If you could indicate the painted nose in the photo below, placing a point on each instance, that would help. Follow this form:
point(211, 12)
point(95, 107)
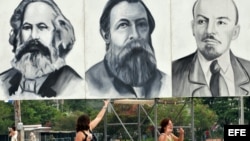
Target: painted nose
point(134, 33)
point(211, 29)
point(35, 34)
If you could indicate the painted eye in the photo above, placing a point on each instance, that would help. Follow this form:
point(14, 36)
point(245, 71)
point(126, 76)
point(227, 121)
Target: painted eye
point(221, 23)
point(201, 22)
point(42, 26)
point(26, 27)
point(142, 24)
point(123, 25)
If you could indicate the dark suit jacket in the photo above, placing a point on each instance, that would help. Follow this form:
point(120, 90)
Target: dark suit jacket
point(188, 80)
point(55, 83)
point(102, 84)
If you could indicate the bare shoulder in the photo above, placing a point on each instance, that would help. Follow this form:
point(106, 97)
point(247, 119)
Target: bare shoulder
point(161, 137)
point(79, 136)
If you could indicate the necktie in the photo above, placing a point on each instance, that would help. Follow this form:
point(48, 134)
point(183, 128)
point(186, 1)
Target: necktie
point(218, 85)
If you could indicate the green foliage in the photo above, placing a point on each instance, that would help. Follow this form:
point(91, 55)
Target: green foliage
point(176, 109)
point(66, 121)
point(6, 117)
point(247, 110)
point(38, 112)
point(204, 118)
point(227, 109)
point(72, 109)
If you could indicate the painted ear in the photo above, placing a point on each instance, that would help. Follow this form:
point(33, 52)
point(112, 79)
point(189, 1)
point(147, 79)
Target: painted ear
point(192, 26)
point(105, 36)
point(236, 32)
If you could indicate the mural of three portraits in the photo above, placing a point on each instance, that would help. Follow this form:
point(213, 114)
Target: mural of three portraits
point(92, 49)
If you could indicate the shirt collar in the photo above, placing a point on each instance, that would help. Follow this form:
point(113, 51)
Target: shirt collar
point(223, 60)
point(32, 85)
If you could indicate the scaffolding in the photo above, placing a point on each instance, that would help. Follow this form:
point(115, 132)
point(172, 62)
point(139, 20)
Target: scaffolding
point(140, 109)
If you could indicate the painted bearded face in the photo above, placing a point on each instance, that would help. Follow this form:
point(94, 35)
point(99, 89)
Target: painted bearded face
point(35, 55)
point(130, 56)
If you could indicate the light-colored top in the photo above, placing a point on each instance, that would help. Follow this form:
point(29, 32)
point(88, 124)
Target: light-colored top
point(14, 137)
point(167, 137)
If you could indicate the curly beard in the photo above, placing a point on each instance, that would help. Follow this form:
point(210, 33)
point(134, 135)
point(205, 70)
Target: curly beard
point(34, 60)
point(134, 65)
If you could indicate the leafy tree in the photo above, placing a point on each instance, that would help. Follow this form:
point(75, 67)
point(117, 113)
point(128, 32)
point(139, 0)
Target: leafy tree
point(247, 110)
point(38, 112)
point(68, 120)
point(204, 118)
point(177, 109)
point(82, 105)
point(227, 110)
point(7, 117)
point(72, 110)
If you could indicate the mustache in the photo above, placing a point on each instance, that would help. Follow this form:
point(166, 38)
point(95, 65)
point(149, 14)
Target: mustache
point(135, 47)
point(210, 37)
point(33, 46)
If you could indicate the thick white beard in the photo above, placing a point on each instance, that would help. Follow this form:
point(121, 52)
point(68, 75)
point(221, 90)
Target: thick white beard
point(34, 66)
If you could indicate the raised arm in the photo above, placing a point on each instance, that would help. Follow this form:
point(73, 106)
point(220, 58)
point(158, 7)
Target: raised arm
point(181, 135)
point(12, 132)
point(99, 116)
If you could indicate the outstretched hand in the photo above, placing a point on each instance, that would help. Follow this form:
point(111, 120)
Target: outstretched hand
point(106, 102)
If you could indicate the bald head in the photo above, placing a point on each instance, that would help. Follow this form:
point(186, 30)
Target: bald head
point(214, 26)
point(217, 6)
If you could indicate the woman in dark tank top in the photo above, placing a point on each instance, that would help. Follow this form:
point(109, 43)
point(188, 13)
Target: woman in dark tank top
point(85, 126)
point(89, 136)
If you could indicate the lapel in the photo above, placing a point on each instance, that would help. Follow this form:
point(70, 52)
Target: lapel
point(199, 87)
point(196, 78)
point(14, 83)
point(241, 77)
point(46, 89)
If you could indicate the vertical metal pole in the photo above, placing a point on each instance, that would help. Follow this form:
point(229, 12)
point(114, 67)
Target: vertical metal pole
point(139, 122)
point(192, 120)
point(105, 127)
point(156, 124)
point(241, 110)
point(57, 105)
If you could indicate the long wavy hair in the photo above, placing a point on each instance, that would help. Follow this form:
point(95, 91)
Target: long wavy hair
point(64, 36)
